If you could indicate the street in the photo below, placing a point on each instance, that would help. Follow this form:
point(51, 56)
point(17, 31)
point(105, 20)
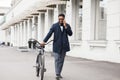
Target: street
point(16, 65)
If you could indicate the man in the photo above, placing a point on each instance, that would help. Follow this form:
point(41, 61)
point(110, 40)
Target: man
point(61, 31)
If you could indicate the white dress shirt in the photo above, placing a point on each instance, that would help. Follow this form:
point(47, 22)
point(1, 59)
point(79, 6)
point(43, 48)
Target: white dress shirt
point(61, 27)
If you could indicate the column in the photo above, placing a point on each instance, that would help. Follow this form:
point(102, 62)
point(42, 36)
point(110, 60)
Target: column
point(41, 21)
point(8, 33)
point(48, 20)
point(33, 21)
point(18, 35)
point(6, 36)
point(75, 18)
point(46, 29)
point(34, 27)
point(21, 33)
point(97, 18)
point(69, 12)
point(12, 36)
point(29, 29)
point(25, 33)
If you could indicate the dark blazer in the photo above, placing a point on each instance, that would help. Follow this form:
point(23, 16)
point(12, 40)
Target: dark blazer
point(60, 41)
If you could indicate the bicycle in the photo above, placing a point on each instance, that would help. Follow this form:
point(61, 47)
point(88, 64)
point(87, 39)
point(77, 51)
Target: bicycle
point(40, 60)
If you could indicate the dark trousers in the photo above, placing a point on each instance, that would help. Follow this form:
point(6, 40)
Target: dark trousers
point(59, 61)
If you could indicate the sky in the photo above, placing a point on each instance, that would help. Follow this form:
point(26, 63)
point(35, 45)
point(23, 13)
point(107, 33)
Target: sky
point(5, 3)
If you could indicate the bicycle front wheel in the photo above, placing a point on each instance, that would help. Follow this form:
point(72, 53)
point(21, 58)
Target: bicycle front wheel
point(42, 67)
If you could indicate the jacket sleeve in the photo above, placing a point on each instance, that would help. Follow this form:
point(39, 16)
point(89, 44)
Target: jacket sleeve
point(49, 34)
point(68, 30)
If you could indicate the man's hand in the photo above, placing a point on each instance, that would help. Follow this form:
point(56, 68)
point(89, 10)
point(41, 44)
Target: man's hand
point(64, 23)
point(42, 44)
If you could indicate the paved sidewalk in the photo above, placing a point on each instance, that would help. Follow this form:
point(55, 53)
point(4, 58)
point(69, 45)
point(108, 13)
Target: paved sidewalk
point(16, 65)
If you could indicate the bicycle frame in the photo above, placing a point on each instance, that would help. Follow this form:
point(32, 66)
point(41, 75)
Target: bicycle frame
point(40, 61)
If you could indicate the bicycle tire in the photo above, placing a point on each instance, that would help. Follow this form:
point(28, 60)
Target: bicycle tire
point(38, 66)
point(37, 71)
point(42, 67)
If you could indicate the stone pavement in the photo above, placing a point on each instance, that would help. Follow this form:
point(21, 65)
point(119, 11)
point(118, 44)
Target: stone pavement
point(16, 65)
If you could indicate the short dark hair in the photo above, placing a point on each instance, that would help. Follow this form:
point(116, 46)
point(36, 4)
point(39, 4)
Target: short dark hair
point(61, 15)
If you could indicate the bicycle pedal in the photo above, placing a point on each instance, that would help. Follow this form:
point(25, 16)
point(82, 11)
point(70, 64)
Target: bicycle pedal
point(34, 66)
point(45, 70)
point(37, 75)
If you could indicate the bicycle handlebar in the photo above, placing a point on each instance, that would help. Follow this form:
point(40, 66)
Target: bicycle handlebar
point(40, 43)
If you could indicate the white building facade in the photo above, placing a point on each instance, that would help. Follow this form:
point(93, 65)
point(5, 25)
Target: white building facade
point(95, 25)
point(3, 11)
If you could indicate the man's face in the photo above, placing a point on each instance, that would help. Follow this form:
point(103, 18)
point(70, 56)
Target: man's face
point(61, 19)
